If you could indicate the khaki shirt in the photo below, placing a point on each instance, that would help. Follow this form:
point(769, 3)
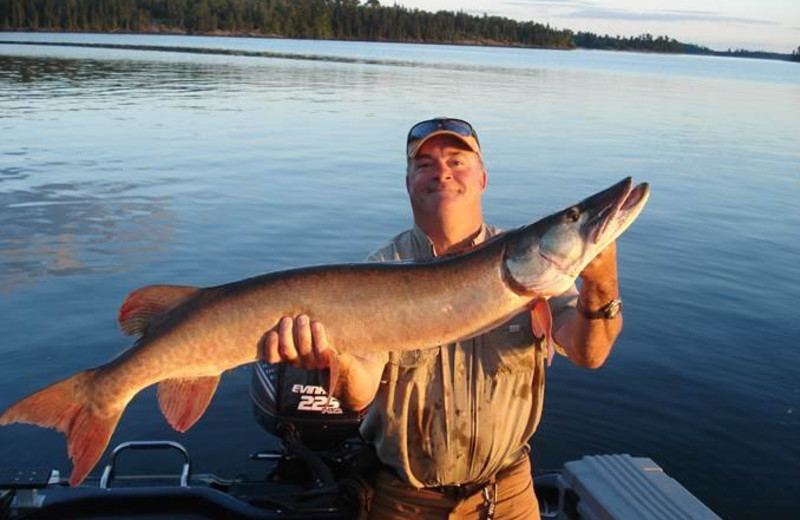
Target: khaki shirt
point(459, 413)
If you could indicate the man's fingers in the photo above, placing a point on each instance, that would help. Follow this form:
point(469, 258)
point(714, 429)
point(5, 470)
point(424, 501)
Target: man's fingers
point(603, 265)
point(322, 350)
point(299, 342)
point(302, 338)
point(606, 254)
point(271, 353)
point(610, 250)
point(286, 346)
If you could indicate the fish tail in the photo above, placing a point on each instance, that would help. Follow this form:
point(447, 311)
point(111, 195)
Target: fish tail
point(67, 406)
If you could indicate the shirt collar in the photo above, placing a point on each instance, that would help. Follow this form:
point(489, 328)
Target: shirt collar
point(424, 245)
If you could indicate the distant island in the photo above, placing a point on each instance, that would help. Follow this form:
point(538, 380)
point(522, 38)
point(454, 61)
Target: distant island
point(326, 19)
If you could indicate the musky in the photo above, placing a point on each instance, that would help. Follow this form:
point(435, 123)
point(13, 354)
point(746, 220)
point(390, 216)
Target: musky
point(770, 25)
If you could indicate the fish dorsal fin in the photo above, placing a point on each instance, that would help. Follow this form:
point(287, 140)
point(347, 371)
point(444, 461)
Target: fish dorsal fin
point(142, 305)
point(183, 401)
point(542, 323)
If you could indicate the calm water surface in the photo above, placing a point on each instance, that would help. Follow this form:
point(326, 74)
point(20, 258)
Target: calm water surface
point(122, 168)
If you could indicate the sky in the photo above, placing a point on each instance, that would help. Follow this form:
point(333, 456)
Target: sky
point(768, 25)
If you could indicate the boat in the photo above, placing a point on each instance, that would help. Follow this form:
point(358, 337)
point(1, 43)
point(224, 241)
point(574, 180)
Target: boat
point(311, 475)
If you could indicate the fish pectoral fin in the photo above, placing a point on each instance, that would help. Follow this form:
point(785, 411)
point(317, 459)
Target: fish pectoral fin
point(142, 305)
point(184, 400)
point(542, 323)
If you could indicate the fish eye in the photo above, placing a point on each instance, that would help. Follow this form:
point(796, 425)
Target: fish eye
point(573, 214)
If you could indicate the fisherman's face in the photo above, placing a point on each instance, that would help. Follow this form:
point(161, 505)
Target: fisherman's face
point(445, 178)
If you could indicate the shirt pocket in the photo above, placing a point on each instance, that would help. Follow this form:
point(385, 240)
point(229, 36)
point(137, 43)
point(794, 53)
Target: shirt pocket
point(509, 348)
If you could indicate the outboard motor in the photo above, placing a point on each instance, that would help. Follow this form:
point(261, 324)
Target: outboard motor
point(287, 397)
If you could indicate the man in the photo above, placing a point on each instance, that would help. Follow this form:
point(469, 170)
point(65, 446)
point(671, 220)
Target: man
point(451, 423)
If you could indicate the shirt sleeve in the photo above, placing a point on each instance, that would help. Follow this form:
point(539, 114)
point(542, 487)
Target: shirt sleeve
point(375, 256)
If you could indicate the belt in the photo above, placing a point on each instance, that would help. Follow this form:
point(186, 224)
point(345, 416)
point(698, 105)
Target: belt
point(489, 487)
point(467, 490)
point(463, 491)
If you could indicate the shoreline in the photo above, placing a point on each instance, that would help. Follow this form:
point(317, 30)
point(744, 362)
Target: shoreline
point(258, 35)
point(173, 31)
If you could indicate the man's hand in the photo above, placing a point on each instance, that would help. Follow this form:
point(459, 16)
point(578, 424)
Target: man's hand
point(603, 266)
point(588, 342)
point(303, 344)
point(300, 343)
point(600, 279)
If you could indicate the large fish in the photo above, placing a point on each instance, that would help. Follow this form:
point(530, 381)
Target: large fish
point(189, 335)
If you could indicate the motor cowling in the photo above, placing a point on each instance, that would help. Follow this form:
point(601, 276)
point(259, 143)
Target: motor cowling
point(283, 395)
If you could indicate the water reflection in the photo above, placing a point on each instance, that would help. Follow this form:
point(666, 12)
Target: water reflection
point(79, 120)
point(298, 56)
point(80, 228)
point(37, 85)
point(12, 173)
point(31, 79)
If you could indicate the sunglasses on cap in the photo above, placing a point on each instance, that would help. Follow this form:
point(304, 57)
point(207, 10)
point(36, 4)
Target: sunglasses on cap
point(425, 128)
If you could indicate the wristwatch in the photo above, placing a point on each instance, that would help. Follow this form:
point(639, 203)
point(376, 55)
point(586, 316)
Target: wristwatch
point(608, 311)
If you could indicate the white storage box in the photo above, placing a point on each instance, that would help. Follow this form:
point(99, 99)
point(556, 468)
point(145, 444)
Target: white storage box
point(621, 487)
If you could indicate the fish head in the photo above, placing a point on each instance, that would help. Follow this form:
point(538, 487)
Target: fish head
point(545, 258)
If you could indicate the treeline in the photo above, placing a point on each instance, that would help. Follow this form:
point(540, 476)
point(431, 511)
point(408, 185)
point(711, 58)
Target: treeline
point(645, 42)
point(665, 44)
point(744, 53)
point(336, 19)
point(324, 19)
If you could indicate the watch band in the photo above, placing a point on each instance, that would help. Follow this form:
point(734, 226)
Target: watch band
point(608, 311)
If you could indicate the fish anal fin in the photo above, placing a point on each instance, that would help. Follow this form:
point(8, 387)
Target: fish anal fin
point(183, 401)
point(67, 407)
point(542, 323)
point(143, 305)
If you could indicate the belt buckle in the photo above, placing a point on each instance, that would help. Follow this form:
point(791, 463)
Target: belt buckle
point(460, 492)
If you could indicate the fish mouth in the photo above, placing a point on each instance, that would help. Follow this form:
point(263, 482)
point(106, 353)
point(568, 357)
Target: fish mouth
point(617, 208)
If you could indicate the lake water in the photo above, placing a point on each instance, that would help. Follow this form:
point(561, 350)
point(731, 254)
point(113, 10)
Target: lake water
point(123, 168)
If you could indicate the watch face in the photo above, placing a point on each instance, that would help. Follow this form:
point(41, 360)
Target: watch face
point(614, 308)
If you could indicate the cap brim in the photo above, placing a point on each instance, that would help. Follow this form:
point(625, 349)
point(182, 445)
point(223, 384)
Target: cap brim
point(470, 142)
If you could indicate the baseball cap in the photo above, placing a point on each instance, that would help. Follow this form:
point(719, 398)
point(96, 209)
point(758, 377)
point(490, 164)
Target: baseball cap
point(457, 128)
